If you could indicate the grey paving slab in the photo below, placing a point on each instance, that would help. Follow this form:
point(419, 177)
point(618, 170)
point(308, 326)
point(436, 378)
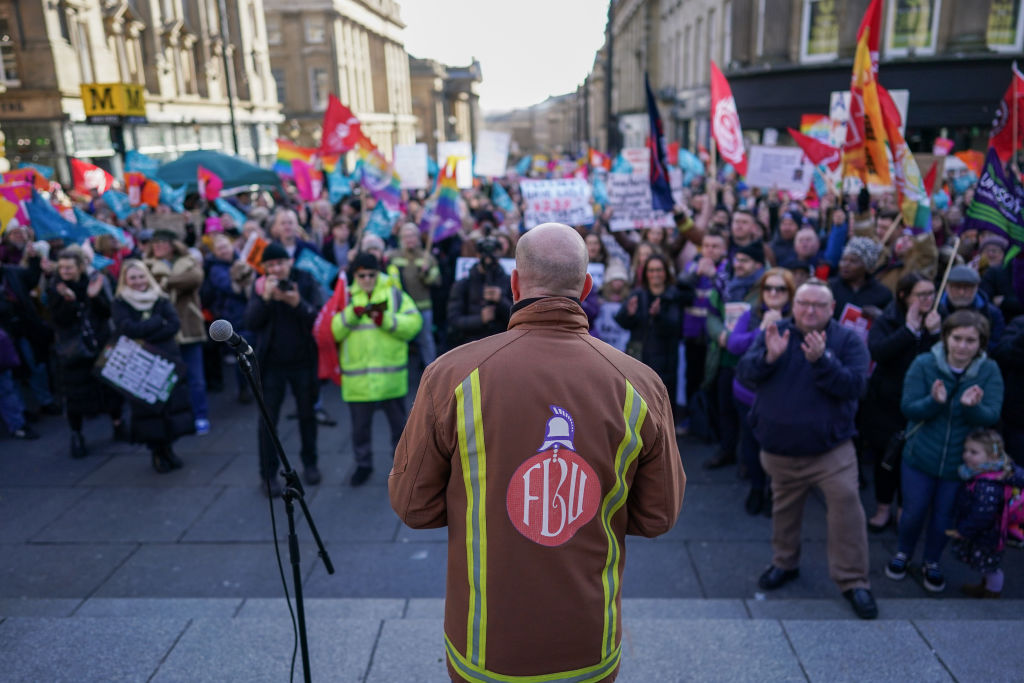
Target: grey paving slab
point(129, 515)
point(706, 650)
point(325, 608)
point(383, 570)
point(800, 608)
point(57, 571)
point(43, 465)
point(107, 649)
point(25, 511)
point(256, 650)
point(410, 650)
point(668, 608)
point(241, 513)
point(344, 514)
point(871, 651)
point(243, 469)
point(658, 570)
point(954, 608)
point(178, 608)
point(134, 469)
point(425, 608)
point(202, 570)
point(38, 607)
point(407, 535)
point(975, 651)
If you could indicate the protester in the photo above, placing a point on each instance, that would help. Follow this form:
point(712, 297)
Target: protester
point(225, 293)
point(142, 311)
point(516, 557)
point(1009, 354)
point(286, 230)
point(417, 271)
point(80, 309)
point(962, 293)
point(614, 291)
point(783, 246)
point(479, 305)
point(808, 375)
point(374, 331)
point(281, 312)
point(854, 285)
point(947, 393)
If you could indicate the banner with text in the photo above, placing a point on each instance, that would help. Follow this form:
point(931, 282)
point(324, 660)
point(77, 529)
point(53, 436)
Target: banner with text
point(565, 200)
point(629, 196)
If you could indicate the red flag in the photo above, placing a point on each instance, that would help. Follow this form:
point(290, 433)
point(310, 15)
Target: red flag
point(341, 129)
point(210, 184)
point(929, 178)
point(87, 177)
point(817, 151)
point(725, 122)
point(673, 153)
point(1002, 126)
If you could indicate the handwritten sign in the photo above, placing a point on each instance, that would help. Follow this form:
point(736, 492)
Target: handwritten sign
point(784, 168)
point(629, 195)
point(492, 153)
point(639, 159)
point(138, 371)
point(411, 165)
point(557, 201)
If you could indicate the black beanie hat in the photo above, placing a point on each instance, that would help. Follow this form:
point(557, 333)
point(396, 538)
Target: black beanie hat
point(365, 260)
point(754, 250)
point(273, 252)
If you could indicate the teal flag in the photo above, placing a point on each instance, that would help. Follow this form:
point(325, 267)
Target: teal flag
point(523, 167)
point(382, 221)
point(501, 199)
point(339, 185)
point(48, 224)
point(137, 162)
point(226, 207)
point(171, 197)
point(322, 270)
point(93, 227)
point(118, 203)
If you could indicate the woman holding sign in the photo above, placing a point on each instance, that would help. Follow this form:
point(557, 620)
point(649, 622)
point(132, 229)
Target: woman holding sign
point(142, 312)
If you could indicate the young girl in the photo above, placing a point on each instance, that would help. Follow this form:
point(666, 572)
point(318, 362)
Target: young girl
point(979, 536)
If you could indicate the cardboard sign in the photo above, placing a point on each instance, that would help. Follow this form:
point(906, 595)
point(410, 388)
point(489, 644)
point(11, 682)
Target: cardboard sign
point(784, 168)
point(138, 370)
point(411, 165)
point(175, 222)
point(565, 200)
point(463, 155)
point(629, 196)
point(492, 153)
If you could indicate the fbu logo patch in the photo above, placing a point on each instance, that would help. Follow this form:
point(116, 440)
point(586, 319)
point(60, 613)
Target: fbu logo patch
point(555, 492)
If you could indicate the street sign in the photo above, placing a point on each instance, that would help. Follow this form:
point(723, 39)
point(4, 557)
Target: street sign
point(114, 102)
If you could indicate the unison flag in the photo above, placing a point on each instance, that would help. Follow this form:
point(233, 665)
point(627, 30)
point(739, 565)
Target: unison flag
point(1011, 106)
point(171, 197)
point(998, 204)
point(137, 162)
point(661, 190)
point(339, 185)
point(725, 122)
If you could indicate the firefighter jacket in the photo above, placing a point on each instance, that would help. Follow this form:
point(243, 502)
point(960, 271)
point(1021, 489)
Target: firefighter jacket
point(374, 355)
point(540, 448)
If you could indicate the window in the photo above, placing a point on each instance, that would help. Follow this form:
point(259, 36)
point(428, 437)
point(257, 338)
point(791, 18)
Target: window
point(8, 60)
point(278, 76)
point(1004, 26)
point(819, 32)
point(913, 25)
point(314, 30)
point(273, 29)
point(84, 50)
point(318, 89)
point(760, 28)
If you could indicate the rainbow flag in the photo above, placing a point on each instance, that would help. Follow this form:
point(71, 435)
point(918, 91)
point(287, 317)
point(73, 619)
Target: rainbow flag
point(441, 214)
point(817, 126)
point(914, 201)
point(379, 178)
point(288, 151)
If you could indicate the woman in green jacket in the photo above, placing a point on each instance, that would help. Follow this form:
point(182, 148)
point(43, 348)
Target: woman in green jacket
point(948, 392)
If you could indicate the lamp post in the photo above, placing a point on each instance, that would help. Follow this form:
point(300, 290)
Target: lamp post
point(229, 81)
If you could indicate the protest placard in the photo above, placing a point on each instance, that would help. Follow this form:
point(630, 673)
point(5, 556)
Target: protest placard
point(463, 155)
point(138, 370)
point(629, 196)
point(783, 168)
point(565, 200)
point(492, 153)
point(411, 165)
point(175, 222)
point(639, 158)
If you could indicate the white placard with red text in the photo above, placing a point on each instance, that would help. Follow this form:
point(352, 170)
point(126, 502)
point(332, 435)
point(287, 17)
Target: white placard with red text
point(629, 196)
point(564, 200)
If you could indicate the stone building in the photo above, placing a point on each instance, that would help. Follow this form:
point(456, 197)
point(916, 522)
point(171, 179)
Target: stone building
point(174, 48)
point(352, 48)
point(445, 101)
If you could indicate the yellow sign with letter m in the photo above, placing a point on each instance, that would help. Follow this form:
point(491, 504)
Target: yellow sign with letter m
point(105, 100)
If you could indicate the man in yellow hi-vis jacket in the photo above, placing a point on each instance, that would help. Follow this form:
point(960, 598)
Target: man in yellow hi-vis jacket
point(540, 448)
point(374, 332)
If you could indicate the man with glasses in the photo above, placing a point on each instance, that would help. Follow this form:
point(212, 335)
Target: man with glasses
point(809, 374)
point(962, 292)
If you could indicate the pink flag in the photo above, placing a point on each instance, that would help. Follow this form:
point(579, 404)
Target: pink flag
point(210, 184)
point(308, 181)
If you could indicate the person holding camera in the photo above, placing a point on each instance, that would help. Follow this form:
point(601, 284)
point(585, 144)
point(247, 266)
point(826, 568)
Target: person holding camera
point(480, 305)
point(281, 311)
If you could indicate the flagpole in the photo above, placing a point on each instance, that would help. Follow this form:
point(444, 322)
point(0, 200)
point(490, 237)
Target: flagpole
point(945, 276)
point(892, 229)
point(714, 160)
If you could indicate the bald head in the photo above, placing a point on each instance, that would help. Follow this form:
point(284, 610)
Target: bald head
point(551, 260)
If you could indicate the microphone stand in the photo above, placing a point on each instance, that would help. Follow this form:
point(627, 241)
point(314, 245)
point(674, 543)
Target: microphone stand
point(293, 491)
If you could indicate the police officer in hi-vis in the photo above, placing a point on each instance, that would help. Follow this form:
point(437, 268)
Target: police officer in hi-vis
point(540, 448)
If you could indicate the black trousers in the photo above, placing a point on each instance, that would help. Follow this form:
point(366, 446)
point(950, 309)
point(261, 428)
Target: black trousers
point(362, 426)
point(305, 388)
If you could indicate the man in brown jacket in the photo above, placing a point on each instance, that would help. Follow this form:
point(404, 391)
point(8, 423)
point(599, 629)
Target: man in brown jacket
point(540, 448)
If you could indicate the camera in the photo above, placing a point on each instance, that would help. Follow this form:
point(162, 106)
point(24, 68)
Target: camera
point(488, 246)
point(285, 285)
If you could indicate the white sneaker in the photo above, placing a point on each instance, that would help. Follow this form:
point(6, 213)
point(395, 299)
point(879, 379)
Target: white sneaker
point(202, 427)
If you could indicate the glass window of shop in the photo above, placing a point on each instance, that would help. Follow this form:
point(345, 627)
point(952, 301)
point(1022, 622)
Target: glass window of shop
point(33, 142)
point(1005, 26)
point(913, 25)
point(318, 89)
point(91, 140)
point(819, 31)
point(8, 58)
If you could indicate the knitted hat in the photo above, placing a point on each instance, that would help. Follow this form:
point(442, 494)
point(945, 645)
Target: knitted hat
point(864, 248)
point(371, 241)
point(992, 238)
point(755, 250)
point(964, 275)
point(274, 252)
point(615, 271)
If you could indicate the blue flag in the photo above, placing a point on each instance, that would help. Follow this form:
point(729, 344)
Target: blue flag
point(322, 270)
point(94, 227)
point(432, 169)
point(501, 199)
point(47, 223)
point(45, 171)
point(137, 162)
point(523, 167)
point(99, 261)
point(171, 197)
point(224, 206)
point(661, 188)
point(691, 165)
point(118, 203)
point(620, 165)
point(600, 190)
point(339, 185)
point(382, 221)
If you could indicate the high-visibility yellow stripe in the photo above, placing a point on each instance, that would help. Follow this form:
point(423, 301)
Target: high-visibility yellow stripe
point(477, 674)
point(634, 411)
point(481, 512)
point(472, 455)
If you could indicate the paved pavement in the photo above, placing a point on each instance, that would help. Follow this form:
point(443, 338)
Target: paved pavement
point(109, 571)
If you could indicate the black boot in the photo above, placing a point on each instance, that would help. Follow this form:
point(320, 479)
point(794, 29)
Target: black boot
point(120, 431)
point(78, 445)
point(160, 463)
point(172, 458)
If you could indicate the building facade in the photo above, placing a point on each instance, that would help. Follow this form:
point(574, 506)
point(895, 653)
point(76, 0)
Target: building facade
point(351, 48)
point(174, 48)
point(445, 101)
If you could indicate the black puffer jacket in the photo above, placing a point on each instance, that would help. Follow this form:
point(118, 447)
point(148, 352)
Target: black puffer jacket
point(658, 335)
point(86, 318)
point(467, 300)
point(284, 334)
point(1010, 357)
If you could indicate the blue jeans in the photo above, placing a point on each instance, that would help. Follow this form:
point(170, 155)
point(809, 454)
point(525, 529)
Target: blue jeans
point(11, 407)
point(38, 380)
point(920, 492)
point(193, 357)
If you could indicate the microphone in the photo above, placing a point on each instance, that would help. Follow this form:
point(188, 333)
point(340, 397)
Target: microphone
point(222, 331)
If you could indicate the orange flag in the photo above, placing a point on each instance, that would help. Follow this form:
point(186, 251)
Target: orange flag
point(864, 153)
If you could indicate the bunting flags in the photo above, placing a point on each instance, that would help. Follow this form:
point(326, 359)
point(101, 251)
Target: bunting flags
point(864, 151)
point(380, 179)
point(341, 130)
point(818, 152)
point(661, 190)
point(725, 122)
point(210, 184)
point(998, 203)
point(915, 203)
point(1011, 106)
point(308, 181)
point(288, 152)
point(87, 177)
point(441, 214)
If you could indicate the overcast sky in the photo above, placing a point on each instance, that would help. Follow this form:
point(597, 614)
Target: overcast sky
point(528, 49)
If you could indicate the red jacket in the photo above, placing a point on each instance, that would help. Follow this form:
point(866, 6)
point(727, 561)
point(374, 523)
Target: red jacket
point(540, 448)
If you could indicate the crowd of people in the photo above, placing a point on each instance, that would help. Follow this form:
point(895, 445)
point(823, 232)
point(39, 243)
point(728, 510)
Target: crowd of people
point(783, 329)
